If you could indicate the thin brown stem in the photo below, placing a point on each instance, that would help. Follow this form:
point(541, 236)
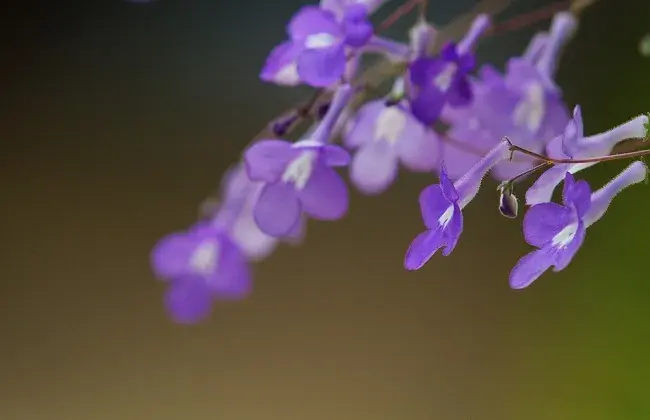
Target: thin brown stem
point(530, 18)
point(547, 12)
point(422, 10)
point(530, 171)
point(554, 161)
point(403, 10)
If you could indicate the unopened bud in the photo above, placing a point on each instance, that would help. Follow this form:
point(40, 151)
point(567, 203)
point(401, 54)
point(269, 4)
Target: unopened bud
point(280, 127)
point(508, 203)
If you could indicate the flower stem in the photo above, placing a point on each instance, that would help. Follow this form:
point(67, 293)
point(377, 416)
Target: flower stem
point(544, 13)
point(553, 161)
point(404, 9)
point(530, 18)
point(524, 174)
point(422, 11)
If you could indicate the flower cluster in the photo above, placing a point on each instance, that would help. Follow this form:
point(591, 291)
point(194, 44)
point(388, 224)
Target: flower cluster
point(443, 115)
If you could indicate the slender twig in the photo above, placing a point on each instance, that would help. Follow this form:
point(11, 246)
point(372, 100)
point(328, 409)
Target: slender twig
point(530, 18)
point(403, 10)
point(422, 11)
point(554, 161)
point(530, 171)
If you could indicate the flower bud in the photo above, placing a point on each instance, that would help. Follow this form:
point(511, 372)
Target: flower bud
point(508, 203)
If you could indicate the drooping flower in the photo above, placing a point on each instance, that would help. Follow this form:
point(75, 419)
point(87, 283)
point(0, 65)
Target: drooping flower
point(384, 135)
point(299, 177)
point(443, 80)
point(558, 231)
point(202, 264)
point(443, 218)
point(574, 145)
point(441, 206)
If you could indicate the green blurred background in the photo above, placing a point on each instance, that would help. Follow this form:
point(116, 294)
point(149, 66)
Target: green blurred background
point(117, 119)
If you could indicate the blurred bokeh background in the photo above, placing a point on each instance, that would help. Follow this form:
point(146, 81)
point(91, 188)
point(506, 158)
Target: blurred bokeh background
point(117, 119)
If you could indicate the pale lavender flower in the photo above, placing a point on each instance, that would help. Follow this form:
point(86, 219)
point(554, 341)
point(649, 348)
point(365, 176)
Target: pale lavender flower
point(384, 135)
point(441, 206)
point(240, 195)
point(202, 264)
point(526, 105)
point(574, 145)
point(466, 141)
point(558, 231)
point(299, 177)
point(319, 41)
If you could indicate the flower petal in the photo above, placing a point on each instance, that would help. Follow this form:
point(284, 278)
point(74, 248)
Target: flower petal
point(188, 300)
point(564, 255)
point(423, 247)
point(325, 196)
point(277, 209)
point(311, 20)
point(433, 204)
point(530, 267)
point(255, 244)
point(542, 189)
point(374, 167)
point(266, 160)
point(453, 231)
point(420, 69)
point(447, 186)
point(361, 128)
point(543, 221)
point(335, 155)
point(577, 194)
point(428, 104)
point(418, 147)
point(322, 67)
point(233, 280)
point(170, 256)
point(460, 94)
point(280, 66)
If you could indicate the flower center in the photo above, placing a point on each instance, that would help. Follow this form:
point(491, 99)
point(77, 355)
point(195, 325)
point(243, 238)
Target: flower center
point(204, 258)
point(320, 40)
point(443, 80)
point(444, 219)
point(390, 124)
point(565, 236)
point(299, 170)
point(530, 111)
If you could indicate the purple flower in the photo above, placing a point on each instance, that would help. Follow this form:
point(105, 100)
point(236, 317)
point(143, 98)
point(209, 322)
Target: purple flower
point(466, 141)
point(239, 196)
point(383, 136)
point(441, 207)
point(558, 231)
point(525, 104)
point(437, 82)
point(299, 177)
point(573, 145)
point(201, 264)
point(316, 51)
point(440, 81)
point(443, 219)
